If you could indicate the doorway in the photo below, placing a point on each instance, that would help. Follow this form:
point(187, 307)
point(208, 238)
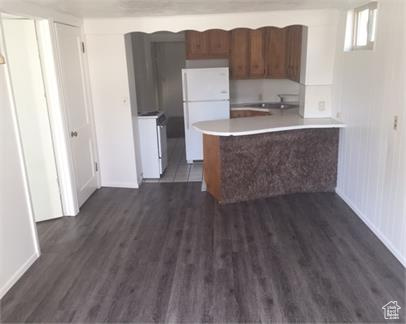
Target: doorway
point(169, 59)
point(31, 107)
point(158, 60)
point(71, 52)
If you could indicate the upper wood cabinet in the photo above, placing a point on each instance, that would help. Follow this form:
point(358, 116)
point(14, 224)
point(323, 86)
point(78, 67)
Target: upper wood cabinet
point(268, 52)
point(207, 45)
point(294, 52)
point(219, 43)
point(197, 44)
point(239, 45)
point(257, 53)
point(276, 53)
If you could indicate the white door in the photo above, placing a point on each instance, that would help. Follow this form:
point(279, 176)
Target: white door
point(201, 111)
point(32, 114)
point(77, 110)
point(205, 84)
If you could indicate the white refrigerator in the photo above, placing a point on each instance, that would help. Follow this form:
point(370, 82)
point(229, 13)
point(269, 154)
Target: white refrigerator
point(206, 96)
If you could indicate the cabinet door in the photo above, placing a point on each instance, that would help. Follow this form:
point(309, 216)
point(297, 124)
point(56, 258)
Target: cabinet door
point(276, 58)
point(256, 53)
point(289, 52)
point(239, 53)
point(294, 52)
point(197, 46)
point(297, 53)
point(218, 43)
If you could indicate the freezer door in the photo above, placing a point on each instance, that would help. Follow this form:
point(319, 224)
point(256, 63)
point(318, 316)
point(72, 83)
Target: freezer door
point(205, 84)
point(201, 111)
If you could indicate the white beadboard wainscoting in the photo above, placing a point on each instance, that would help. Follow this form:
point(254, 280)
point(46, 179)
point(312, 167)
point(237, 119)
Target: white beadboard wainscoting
point(368, 93)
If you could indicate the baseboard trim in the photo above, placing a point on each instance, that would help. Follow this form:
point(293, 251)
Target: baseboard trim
point(18, 274)
point(373, 228)
point(131, 185)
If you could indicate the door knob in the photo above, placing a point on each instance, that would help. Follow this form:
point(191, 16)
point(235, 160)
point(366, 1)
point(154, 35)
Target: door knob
point(73, 134)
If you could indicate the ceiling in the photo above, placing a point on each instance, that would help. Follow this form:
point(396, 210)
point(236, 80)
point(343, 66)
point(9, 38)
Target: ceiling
point(134, 8)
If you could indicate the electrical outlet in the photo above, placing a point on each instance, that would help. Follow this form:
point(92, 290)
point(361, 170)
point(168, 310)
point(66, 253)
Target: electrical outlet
point(322, 105)
point(395, 122)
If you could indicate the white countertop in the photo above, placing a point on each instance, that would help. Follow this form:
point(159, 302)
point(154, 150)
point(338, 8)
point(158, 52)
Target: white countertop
point(263, 124)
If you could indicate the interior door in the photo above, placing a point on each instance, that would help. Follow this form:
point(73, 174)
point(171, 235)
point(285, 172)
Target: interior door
point(201, 111)
point(77, 110)
point(33, 120)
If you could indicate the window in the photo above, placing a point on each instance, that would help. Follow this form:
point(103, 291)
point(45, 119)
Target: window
point(363, 26)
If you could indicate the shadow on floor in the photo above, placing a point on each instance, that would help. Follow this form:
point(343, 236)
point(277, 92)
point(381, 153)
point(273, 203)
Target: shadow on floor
point(175, 127)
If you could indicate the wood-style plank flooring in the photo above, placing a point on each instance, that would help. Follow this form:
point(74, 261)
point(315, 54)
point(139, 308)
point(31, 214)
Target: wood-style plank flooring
point(169, 253)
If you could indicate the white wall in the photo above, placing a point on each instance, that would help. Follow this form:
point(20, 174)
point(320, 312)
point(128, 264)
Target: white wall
point(243, 91)
point(18, 241)
point(369, 90)
point(112, 109)
point(133, 101)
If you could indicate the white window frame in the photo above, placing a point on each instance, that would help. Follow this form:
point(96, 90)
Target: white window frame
point(370, 43)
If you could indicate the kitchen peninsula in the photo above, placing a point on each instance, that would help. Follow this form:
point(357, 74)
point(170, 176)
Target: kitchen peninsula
point(258, 157)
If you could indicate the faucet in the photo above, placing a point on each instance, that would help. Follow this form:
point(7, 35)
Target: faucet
point(281, 97)
point(282, 102)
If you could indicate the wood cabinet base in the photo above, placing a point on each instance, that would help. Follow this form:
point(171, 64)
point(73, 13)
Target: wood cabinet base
point(241, 168)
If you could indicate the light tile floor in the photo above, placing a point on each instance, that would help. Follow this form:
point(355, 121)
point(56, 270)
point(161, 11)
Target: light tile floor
point(178, 170)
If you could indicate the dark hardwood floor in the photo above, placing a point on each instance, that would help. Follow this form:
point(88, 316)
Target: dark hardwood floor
point(169, 253)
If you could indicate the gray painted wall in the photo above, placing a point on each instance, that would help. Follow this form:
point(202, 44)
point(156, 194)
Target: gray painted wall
point(170, 59)
point(164, 48)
